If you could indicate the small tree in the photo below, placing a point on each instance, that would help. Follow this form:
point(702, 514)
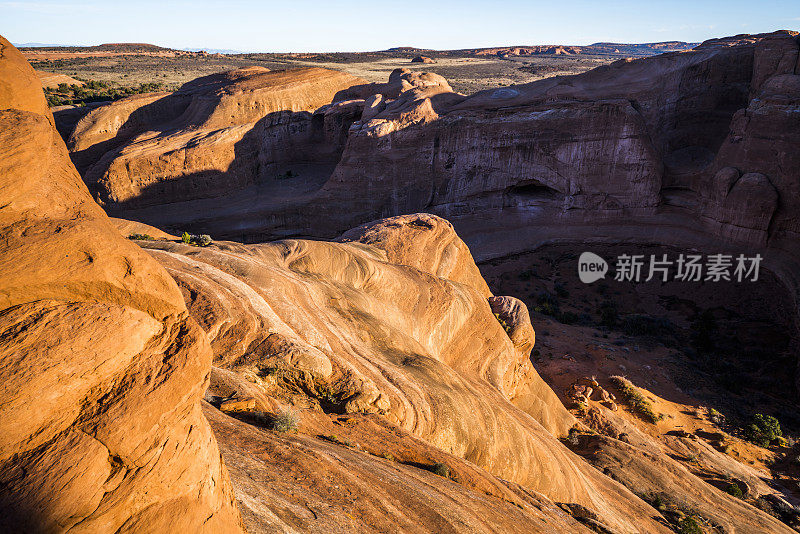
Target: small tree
point(763, 429)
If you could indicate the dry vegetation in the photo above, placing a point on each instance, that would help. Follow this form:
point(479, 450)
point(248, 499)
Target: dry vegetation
point(466, 72)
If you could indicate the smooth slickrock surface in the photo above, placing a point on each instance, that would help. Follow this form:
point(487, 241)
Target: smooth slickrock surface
point(102, 368)
point(359, 330)
point(205, 139)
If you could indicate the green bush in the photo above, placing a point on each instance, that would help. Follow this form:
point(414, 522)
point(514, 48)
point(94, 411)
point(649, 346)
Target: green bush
point(201, 240)
point(638, 403)
point(734, 489)
point(94, 91)
point(689, 525)
point(763, 429)
point(140, 237)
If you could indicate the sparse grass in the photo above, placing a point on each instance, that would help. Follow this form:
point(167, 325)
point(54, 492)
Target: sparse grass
point(140, 237)
point(333, 438)
point(441, 469)
point(638, 403)
point(689, 525)
point(285, 420)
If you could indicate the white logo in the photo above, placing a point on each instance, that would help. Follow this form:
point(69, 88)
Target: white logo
point(591, 267)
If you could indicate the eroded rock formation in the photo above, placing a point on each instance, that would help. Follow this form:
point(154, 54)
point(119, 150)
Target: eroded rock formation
point(648, 143)
point(216, 134)
point(394, 321)
point(102, 367)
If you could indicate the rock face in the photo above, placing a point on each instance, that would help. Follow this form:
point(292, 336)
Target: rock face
point(648, 142)
point(102, 367)
point(368, 326)
point(214, 135)
point(422, 59)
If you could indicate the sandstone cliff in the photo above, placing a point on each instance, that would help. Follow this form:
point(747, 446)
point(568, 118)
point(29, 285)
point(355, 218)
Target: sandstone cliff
point(649, 143)
point(205, 139)
point(102, 367)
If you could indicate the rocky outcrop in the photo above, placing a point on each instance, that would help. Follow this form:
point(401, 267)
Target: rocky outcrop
point(216, 134)
point(422, 59)
point(638, 142)
point(102, 367)
point(369, 328)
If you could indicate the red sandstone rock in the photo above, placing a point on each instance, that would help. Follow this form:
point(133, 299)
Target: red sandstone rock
point(102, 368)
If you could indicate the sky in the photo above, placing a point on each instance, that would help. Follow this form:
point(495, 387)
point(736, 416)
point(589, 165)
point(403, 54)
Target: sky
point(322, 26)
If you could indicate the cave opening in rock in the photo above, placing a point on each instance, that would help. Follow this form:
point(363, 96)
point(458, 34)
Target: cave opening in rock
point(530, 192)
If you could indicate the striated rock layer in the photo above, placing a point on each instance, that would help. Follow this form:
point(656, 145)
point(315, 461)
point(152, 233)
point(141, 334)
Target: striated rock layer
point(364, 327)
point(701, 141)
point(102, 367)
point(216, 134)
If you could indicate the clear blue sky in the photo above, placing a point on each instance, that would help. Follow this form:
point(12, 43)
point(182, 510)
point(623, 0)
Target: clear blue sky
point(314, 25)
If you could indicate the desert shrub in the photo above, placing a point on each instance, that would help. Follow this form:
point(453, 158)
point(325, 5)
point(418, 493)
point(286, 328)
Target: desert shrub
point(763, 429)
point(560, 290)
point(94, 91)
point(284, 420)
point(734, 489)
point(608, 314)
point(198, 240)
point(637, 402)
point(715, 416)
point(203, 240)
point(689, 525)
point(441, 469)
point(526, 275)
point(574, 436)
point(140, 237)
point(642, 325)
point(505, 325)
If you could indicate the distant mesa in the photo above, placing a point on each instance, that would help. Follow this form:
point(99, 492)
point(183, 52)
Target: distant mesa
point(635, 50)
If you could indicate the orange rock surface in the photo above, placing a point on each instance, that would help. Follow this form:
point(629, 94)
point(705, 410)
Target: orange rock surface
point(102, 367)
